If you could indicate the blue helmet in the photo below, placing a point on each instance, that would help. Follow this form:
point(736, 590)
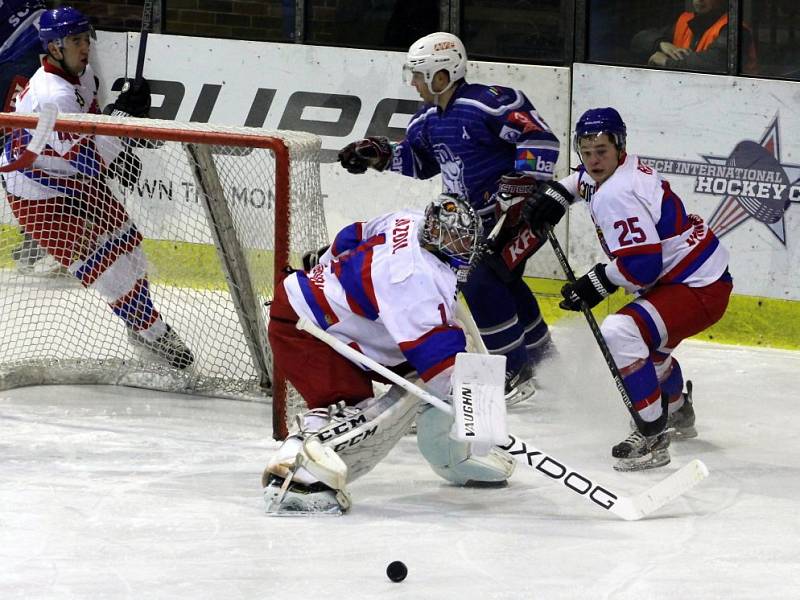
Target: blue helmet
point(56, 24)
point(601, 120)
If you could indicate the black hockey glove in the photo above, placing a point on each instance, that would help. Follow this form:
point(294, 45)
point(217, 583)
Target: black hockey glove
point(311, 259)
point(547, 206)
point(513, 192)
point(591, 289)
point(371, 152)
point(126, 169)
point(134, 99)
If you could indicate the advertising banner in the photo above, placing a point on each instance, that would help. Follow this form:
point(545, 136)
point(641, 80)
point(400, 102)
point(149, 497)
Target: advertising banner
point(728, 148)
point(340, 94)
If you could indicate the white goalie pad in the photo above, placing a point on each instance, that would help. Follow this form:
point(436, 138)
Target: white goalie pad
point(365, 437)
point(479, 401)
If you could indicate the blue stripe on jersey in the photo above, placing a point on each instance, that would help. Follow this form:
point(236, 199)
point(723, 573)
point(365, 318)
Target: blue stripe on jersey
point(347, 239)
point(646, 320)
point(308, 296)
point(673, 220)
point(137, 309)
point(355, 276)
point(434, 347)
point(641, 269)
point(87, 161)
point(115, 245)
point(17, 141)
point(696, 261)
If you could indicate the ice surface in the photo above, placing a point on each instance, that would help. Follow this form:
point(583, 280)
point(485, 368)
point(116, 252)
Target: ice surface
point(121, 493)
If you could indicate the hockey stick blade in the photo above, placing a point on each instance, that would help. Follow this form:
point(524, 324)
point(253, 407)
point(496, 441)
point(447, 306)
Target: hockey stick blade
point(628, 508)
point(44, 127)
point(665, 491)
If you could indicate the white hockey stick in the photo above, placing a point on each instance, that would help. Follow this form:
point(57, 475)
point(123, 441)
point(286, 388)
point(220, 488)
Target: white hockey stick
point(44, 127)
point(630, 508)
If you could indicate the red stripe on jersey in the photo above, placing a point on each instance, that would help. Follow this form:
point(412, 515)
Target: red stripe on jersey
point(433, 371)
point(645, 402)
point(689, 258)
point(110, 258)
point(640, 324)
point(406, 346)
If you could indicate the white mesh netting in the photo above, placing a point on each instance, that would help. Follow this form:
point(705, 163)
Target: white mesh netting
point(102, 233)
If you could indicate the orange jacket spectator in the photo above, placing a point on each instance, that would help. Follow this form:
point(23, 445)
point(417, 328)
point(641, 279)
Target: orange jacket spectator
point(697, 41)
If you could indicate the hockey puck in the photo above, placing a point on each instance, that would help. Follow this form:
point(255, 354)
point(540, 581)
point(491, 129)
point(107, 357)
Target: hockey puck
point(396, 571)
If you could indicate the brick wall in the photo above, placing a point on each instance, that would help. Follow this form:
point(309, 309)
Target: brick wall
point(262, 20)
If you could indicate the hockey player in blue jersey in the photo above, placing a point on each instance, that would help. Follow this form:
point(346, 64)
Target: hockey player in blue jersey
point(491, 146)
point(19, 59)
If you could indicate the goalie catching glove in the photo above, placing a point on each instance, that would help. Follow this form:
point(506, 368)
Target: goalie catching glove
point(547, 205)
point(591, 289)
point(371, 152)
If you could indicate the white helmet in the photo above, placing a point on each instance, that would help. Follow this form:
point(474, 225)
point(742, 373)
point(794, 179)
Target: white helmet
point(436, 52)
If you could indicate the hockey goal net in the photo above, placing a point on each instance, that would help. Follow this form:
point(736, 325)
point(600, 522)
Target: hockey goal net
point(221, 211)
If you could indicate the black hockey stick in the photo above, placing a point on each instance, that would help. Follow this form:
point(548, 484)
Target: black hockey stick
point(630, 508)
point(595, 328)
point(147, 27)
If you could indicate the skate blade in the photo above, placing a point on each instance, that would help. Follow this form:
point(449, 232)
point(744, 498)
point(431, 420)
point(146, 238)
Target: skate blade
point(651, 461)
point(288, 508)
point(520, 396)
point(685, 433)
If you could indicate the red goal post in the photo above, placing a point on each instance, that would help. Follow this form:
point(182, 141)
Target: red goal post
point(222, 210)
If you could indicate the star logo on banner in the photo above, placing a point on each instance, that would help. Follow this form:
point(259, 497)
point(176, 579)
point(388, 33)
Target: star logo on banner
point(772, 188)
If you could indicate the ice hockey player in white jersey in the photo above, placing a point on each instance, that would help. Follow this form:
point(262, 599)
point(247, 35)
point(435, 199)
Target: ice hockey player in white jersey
point(66, 200)
point(388, 288)
point(674, 264)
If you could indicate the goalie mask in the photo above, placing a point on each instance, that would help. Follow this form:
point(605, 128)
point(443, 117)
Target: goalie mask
point(452, 231)
point(436, 52)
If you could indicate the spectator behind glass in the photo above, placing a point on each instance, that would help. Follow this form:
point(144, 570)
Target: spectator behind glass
point(697, 41)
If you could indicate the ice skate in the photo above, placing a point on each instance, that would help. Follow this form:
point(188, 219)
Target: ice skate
point(169, 348)
point(291, 498)
point(520, 386)
point(638, 452)
point(32, 260)
point(681, 422)
point(292, 489)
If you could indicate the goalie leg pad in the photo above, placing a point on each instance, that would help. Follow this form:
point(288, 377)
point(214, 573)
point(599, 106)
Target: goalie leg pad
point(370, 430)
point(453, 460)
point(310, 471)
